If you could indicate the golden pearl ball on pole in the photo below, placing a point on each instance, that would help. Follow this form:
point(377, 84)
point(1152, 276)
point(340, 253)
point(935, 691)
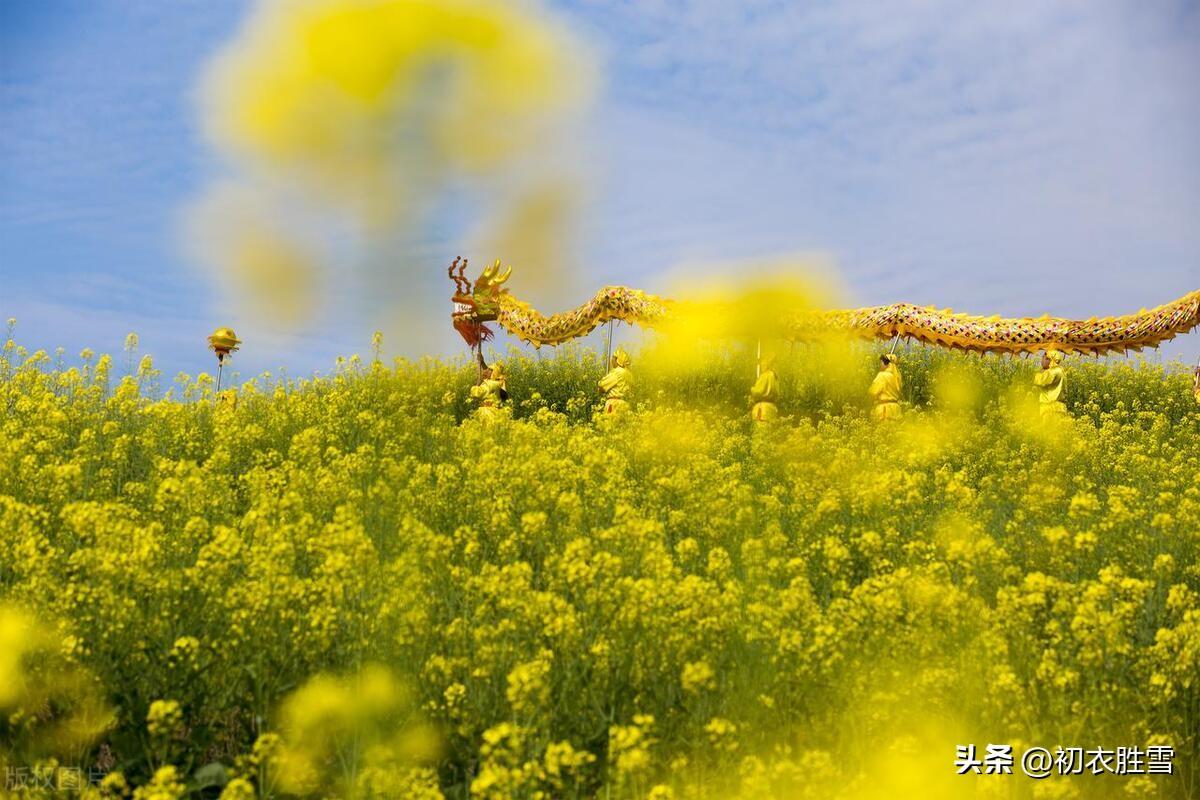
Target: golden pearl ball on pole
point(223, 341)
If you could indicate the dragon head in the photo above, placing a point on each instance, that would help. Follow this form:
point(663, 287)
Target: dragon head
point(475, 304)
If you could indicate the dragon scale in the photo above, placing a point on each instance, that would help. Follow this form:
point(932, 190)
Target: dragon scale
point(487, 300)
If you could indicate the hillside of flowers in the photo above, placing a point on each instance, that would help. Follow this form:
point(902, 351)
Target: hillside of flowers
point(348, 586)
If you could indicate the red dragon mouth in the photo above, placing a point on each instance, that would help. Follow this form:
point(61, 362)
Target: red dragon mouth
point(467, 323)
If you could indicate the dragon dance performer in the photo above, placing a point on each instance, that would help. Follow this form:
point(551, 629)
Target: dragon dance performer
point(491, 392)
point(617, 385)
point(1050, 381)
point(885, 389)
point(765, 392)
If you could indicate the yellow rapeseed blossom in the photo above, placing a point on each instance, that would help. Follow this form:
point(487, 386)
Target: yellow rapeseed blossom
point(345, 586)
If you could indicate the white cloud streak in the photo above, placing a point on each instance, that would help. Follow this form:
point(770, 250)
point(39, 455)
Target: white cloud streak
point(1002, 158)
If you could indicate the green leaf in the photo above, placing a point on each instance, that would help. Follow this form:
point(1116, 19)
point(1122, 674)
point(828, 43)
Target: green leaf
point(211, 774)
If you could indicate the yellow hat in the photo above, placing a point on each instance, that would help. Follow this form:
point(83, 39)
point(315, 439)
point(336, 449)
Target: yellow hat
point(621, 357)
point(497, 370)
point(891, 358)
point(1055, 356)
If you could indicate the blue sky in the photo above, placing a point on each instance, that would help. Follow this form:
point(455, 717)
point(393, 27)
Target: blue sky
point(1016, 158)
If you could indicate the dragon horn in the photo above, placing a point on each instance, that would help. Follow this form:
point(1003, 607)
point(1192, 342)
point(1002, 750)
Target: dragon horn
point(460, 280)
point(503, 276)
point(485, 277)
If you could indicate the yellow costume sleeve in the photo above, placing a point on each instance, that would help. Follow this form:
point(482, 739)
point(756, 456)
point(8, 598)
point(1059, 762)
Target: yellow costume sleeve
point(488, 392)
point(886, 387)
point(1050, 381)
point(617, 384)
point(765, 388)
point(1045, 377)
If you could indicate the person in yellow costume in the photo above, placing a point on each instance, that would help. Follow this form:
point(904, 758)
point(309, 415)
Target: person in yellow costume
point(1196, 383)
point(1050, 381)
point(885, 389)
point(617, 385)
point(491, 392)
point(765, 392)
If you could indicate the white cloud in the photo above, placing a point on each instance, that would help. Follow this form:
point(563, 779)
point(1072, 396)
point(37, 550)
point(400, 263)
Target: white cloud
point(1002, 158)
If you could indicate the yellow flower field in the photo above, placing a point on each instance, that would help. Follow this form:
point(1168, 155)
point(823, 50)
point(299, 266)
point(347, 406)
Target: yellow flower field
point(348, 586)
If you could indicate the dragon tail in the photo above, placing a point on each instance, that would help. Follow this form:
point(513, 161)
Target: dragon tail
point(944, 328)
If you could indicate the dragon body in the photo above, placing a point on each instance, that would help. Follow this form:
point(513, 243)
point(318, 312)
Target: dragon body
point(487, 300)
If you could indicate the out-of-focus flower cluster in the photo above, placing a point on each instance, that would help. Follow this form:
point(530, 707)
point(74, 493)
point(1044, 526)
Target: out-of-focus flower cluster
point(349, 587)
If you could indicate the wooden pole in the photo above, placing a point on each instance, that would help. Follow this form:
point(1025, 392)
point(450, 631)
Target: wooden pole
point(608, 348)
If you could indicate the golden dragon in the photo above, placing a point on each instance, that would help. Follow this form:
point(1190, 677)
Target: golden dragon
point(486, 300)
